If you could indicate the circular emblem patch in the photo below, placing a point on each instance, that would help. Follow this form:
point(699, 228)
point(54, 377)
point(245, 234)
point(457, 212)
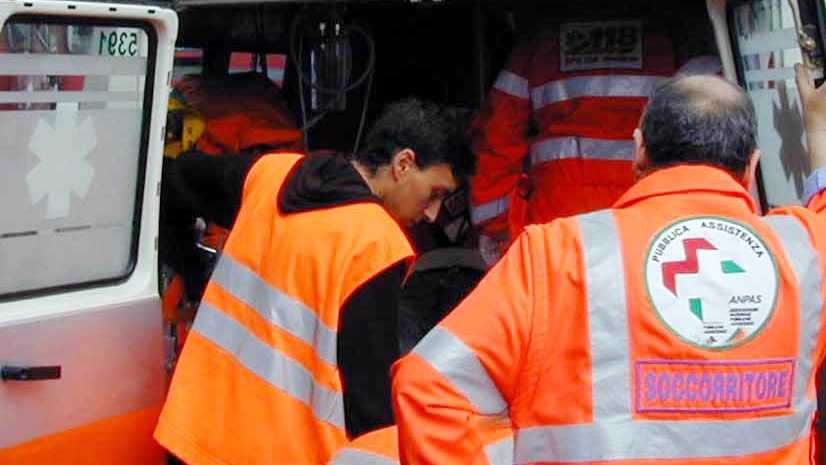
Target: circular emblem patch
point(712, 281)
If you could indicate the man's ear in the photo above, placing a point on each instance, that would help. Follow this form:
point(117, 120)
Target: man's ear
point(641, 162)
point(403, 163)
point(750, 176)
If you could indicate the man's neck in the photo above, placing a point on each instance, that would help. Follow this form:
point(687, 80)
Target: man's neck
point(365, 174)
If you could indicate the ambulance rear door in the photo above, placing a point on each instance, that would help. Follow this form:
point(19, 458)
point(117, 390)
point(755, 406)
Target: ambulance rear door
point(83, 96)
point(760, 42)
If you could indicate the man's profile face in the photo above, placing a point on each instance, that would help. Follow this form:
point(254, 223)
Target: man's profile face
point(417, 193)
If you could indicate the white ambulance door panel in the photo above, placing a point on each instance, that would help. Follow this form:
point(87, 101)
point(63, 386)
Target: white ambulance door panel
point(765, 49)
point(83, 95)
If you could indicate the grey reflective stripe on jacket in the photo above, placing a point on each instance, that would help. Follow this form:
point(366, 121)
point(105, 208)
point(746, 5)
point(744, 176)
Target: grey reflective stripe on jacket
point(275, 306)
point(353, 456)
point(804, 261)
point(561, 90)
point(448, 355)
point(497, 453)
point(560, 148)
point(489, 210)
point(267, 362)
point(500, 452)
point(512, 84)
point(614, 435)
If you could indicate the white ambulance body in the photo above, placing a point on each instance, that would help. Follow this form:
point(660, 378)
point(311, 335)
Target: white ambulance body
point(78, 269)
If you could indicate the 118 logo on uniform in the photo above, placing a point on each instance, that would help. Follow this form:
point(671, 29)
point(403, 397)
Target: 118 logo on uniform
point(606, 44)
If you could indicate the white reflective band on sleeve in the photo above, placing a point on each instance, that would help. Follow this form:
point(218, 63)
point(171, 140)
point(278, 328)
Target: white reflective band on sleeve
point(452, 358)
point(610, 437)
point(489, 210)
point(607, 317)
point(593, 86)
point(350, 456)
point(276, 307)
point(559, 148)
point(512, 84)
point(500, 452)
point(269, 364)
point(804, 260)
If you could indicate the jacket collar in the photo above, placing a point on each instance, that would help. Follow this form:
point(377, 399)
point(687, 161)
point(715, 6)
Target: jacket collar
point(683, 179)
point(323, 181)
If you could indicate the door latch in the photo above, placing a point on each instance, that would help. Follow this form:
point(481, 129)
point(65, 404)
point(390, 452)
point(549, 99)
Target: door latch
point(805, 36)
point(11, 373)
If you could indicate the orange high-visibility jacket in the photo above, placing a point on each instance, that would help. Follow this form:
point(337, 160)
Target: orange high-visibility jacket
point(564, 109)
point(236, 113)
point(678, 326)
point(381, 447)
point(258, 382)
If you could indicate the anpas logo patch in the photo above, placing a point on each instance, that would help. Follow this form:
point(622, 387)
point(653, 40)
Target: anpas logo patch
point(713, 282)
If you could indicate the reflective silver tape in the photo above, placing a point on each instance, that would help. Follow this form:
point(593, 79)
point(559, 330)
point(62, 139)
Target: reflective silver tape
point(642, 440)
point(269, 364)
point(275, 306)
point(489, 210)
point(497, 453)
point(500, 452)
point(512, 84)
point(804, 261)
point(351, 456)
point(559, 148)
point(455, 361)
point(607, 317)
point(593, 86)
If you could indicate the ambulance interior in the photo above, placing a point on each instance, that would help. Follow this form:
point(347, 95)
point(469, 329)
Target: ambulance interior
point(451, 51)
point(322, 72)
point(378, 52)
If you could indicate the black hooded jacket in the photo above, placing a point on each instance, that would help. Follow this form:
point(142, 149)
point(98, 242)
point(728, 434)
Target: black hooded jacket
point(210, 187)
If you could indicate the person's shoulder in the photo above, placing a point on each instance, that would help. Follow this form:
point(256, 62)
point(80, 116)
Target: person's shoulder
point(279, 158)
point(553, 234)
point(813, 222)
point(375, 241)
point(268, 162)
point(559, 226)
point(374, 226)
point(803, 214)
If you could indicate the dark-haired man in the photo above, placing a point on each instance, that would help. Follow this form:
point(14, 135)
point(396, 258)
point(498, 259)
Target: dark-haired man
point(291, 348)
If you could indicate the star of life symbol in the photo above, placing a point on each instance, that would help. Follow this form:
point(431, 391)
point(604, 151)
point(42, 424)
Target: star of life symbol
point(63, 168)
point(711, 281)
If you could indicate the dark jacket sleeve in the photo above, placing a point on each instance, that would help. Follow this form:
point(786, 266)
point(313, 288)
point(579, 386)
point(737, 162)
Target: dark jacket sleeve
point(368, 344)
point(196, 184)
